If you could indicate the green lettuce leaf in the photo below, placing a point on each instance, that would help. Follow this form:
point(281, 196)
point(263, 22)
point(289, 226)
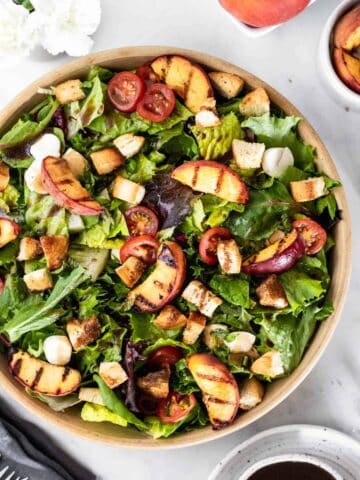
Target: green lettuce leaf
point(58, 404)
point(183, 381)
point(91, 412)
point(45, 217)
point(157, 429)
point(234, 316)
point(142, 168)
point(235, 289)
point(9, 198)
point(180, 114)
point(143, 328)
point(111, 225)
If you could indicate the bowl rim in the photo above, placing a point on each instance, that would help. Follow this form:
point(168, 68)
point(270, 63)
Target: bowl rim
point(281, 389)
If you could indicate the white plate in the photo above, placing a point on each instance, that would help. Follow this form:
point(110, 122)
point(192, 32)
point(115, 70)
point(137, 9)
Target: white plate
point(255, 32)
point(321, 445)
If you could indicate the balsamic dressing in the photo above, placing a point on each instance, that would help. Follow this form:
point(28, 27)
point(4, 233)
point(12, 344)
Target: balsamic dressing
point(291, 471)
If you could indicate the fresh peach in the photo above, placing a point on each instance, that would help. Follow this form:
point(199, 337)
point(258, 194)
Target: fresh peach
point(347, 30)
point(9, 230)
point(348, 69)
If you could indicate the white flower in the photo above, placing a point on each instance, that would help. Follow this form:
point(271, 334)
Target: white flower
point(18, 29)
point(67, 24)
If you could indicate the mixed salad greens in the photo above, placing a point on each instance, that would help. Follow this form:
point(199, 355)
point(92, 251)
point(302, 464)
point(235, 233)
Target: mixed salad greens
point(164, 236)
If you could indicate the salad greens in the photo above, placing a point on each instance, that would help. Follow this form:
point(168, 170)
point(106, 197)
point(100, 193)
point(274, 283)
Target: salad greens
point(71, 275)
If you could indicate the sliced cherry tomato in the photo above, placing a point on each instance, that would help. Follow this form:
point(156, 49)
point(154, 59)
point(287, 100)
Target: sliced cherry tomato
point(141, 221)
point(209, 241)
point(147, 74)
point(144, 247)
point(1, 285)
point(164, 356)
point(312, 233)
point(157, 104)
point(175, 407)
point(125, 90)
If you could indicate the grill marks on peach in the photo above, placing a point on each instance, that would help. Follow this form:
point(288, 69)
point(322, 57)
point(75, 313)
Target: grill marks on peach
point(273, 250)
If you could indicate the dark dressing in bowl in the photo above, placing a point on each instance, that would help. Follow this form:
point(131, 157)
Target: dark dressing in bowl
point(291, 471)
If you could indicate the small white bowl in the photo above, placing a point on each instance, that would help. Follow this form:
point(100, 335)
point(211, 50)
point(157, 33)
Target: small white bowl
point(336, 88)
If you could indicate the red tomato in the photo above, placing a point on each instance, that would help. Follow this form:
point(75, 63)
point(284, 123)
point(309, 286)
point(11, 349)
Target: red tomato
point(175, 407)
point(164, 356)
point(125, 90)
point(157, 104)
point(147, 74)
point(209, 241)
point(1, 285)
point(144, 247)
point(312, 233)
point(141, 221)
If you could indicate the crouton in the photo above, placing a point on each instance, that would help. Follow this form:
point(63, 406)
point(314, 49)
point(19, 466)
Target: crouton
point(271, 293)
point(240, 342)
point(247, 155)
point(229, 256)
point(29, 248)
point(156, 383)
point(206, 301)
point(69, 91)
point(91, 395)
point(130, 271)
point(129, 144)
point(308, 190)
point(194, 327)
point(4, 176)
point(228, 85)
point(83, 333)
point(112, 373)
point(251, 393)
point(77, 162)
point(269, 365)
point(107, 160)
point(209, 335)
point(38, 280)
point(170, 317)
point(55, 249)
point(207, 118)
point(255, 103)
point(127, 190)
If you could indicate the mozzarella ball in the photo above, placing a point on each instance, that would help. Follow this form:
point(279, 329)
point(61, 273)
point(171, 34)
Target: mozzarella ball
point(276, 161)
point(240, 342)
point(57, 349)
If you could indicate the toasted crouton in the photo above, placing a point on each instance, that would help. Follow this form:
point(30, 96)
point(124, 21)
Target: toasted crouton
point(251, 393)
point(77, 162)
point(129, 144)
point(194, 327)
point(268, 365)
point(83, 333)
point(206, 301)
point(127, 190)
point(271, 293)
point(38, 280)
point(228, 85)
point(107, 160)
point(246, 154)
point(91, 395)
point(69, 91)
point(55, 249)
point(112, 373)
point(170, 317)
point(156, 383)
point(29, 248)
point(255, 103)
point(229, 256)
point(4, 176)
point(130, 271)
point(308, 190)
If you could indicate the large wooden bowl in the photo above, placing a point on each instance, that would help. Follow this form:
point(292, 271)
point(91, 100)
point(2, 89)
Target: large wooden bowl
point(125, 58)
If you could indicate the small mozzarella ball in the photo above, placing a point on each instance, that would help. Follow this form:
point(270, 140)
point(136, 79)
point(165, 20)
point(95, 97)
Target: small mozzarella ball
point(47, 145)
point(57, 349)
point(33, 178)
point(276, 161)
point(240, 342)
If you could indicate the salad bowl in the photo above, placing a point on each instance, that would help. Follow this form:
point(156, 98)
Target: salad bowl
point(340, 257)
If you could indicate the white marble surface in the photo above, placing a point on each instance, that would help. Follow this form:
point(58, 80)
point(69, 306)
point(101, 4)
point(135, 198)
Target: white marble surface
point(286, 58)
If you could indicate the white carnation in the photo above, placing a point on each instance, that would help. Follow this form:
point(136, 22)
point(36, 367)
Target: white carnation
point(67, 24)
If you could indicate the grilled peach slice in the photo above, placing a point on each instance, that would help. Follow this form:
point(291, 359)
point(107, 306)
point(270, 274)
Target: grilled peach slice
point(4, 176)
point(220, 392)
point(277, 257)
point(347, 30)
point(42, 376)
point(186, 78)
point(164, 282)
point(63, 186)
point(9, 230)
point(348, 68)
point(212, 177)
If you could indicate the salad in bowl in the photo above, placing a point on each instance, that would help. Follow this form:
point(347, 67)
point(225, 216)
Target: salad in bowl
point(164, 241)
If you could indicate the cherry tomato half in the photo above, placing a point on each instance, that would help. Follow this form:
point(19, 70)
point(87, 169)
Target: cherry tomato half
point(147, 74)
point(157, 104)
point(312, 233)
point(175, 407)
point(2, 285)
point(209, 241)
point(141, 221)
point(164, 356)
point(125, 90)
point(144, 247)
